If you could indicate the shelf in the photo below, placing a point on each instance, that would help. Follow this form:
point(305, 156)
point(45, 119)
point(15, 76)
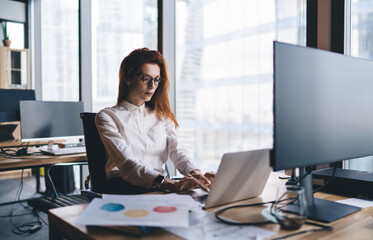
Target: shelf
point(14, 68)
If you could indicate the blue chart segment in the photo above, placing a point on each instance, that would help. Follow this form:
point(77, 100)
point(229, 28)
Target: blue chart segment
point(112, 207)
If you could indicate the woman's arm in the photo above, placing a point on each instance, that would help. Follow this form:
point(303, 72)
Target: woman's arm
point(178, 154)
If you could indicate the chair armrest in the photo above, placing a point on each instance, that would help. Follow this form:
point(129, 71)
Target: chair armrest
point(91, 193)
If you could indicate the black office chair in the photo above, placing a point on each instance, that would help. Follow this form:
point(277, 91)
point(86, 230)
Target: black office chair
point(96, 155)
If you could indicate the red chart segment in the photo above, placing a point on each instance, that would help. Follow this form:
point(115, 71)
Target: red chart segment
point(164, 209)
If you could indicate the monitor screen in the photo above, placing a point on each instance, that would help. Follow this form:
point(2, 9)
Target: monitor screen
point(323, 107)
point(9, 103)
point(50, 120)
point(323, 113)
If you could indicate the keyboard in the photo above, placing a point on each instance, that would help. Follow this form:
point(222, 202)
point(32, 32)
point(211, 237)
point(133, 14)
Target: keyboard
point(63, 151)
point(198, 195)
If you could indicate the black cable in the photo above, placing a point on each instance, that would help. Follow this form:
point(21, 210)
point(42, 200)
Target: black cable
point(29, 227)
point(327, 182)
point(322, 228)
point(19, 150)
point(231, 222)
point(305, 175)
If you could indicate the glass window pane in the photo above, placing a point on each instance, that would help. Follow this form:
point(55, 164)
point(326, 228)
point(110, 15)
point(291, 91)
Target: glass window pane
point(361, 28)
point(362, 46)
point(60, 50)
point(118, 27)
point(224, 72)
point(16, 34)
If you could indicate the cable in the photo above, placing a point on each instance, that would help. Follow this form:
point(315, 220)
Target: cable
point(232, 222)
point(305, 175)
point(327, 182)
point(322, 228)
point(29, 227)
point(19, 151)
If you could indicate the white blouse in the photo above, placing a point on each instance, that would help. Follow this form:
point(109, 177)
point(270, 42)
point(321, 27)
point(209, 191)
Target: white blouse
point(138, 143)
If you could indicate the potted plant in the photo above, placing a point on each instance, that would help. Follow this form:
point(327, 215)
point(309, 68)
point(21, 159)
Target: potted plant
point(6, 40)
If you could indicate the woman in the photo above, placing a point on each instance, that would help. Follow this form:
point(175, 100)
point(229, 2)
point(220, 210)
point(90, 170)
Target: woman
point(139, 132)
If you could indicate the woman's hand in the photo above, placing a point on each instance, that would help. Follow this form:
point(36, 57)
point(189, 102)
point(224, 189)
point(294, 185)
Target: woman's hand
point(210, 176)
point(186, 183)
point(206, 179)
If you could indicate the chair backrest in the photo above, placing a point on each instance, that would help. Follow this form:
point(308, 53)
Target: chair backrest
point(96, 153)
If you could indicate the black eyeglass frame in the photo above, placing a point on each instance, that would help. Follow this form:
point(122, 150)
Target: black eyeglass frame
point(156, 80)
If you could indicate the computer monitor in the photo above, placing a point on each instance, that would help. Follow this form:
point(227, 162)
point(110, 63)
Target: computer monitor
point(46, 120)
point(323, 113)
point(9, 103)
point(9, 110)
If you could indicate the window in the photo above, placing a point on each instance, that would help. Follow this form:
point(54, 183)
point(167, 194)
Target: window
point(118, 27)
point(224, 72)
point(16, 32)
point(361, 28)
point(60, 50)
point(361, 46)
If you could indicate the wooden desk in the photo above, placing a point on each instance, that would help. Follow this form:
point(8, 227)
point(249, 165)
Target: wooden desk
point(23, 162)
point(355, 226)
point(12, 163)
point(14, 144)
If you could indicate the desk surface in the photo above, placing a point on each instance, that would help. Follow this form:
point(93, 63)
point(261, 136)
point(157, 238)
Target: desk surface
point(12, 163)
point(355, 226)
point(18, 143)
point(37, 160)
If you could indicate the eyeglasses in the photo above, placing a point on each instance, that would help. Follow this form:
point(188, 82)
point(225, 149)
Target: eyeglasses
point(147, 79)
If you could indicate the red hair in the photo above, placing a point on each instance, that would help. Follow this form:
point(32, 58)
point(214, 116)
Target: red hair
point(131, 64)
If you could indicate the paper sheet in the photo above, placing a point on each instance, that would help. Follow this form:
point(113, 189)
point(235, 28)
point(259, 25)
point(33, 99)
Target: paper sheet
point(171, 198)
point(136, 210)
point(357, 202)
point(203, 225)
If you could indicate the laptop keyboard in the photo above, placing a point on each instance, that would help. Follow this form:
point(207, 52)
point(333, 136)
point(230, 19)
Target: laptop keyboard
point(201, 199)
point(64, 151)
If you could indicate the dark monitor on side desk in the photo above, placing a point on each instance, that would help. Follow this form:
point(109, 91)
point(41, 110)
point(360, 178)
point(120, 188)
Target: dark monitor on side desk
point(9, 110)
point(323, 113)
point(47, 120)
point(44, 120)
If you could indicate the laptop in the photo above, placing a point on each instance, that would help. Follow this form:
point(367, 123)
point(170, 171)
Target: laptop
point(63, 151)
point(241, 175)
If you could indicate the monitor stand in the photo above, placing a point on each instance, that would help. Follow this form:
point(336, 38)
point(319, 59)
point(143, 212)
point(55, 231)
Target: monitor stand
point(320, 209)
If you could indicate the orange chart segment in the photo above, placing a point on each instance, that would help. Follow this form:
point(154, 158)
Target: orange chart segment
point(164, 209)
point(136, 213)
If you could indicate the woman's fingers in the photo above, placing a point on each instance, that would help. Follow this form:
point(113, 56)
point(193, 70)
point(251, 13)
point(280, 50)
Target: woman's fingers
point(210, 175)
point(190, 182)
point(200, 184)
point(202, 178)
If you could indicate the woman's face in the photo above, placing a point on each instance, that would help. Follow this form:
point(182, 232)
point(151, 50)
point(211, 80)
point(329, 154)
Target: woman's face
point(138, 91)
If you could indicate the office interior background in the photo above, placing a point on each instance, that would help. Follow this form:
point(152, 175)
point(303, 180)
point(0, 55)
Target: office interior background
point(219, 53)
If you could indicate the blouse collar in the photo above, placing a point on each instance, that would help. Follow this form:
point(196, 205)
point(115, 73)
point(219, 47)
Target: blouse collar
point(132, 108)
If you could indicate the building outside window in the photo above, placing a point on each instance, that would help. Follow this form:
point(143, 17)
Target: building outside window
point(60, 50)
point(224, 72)
point(361, 45)
point(118, 27)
